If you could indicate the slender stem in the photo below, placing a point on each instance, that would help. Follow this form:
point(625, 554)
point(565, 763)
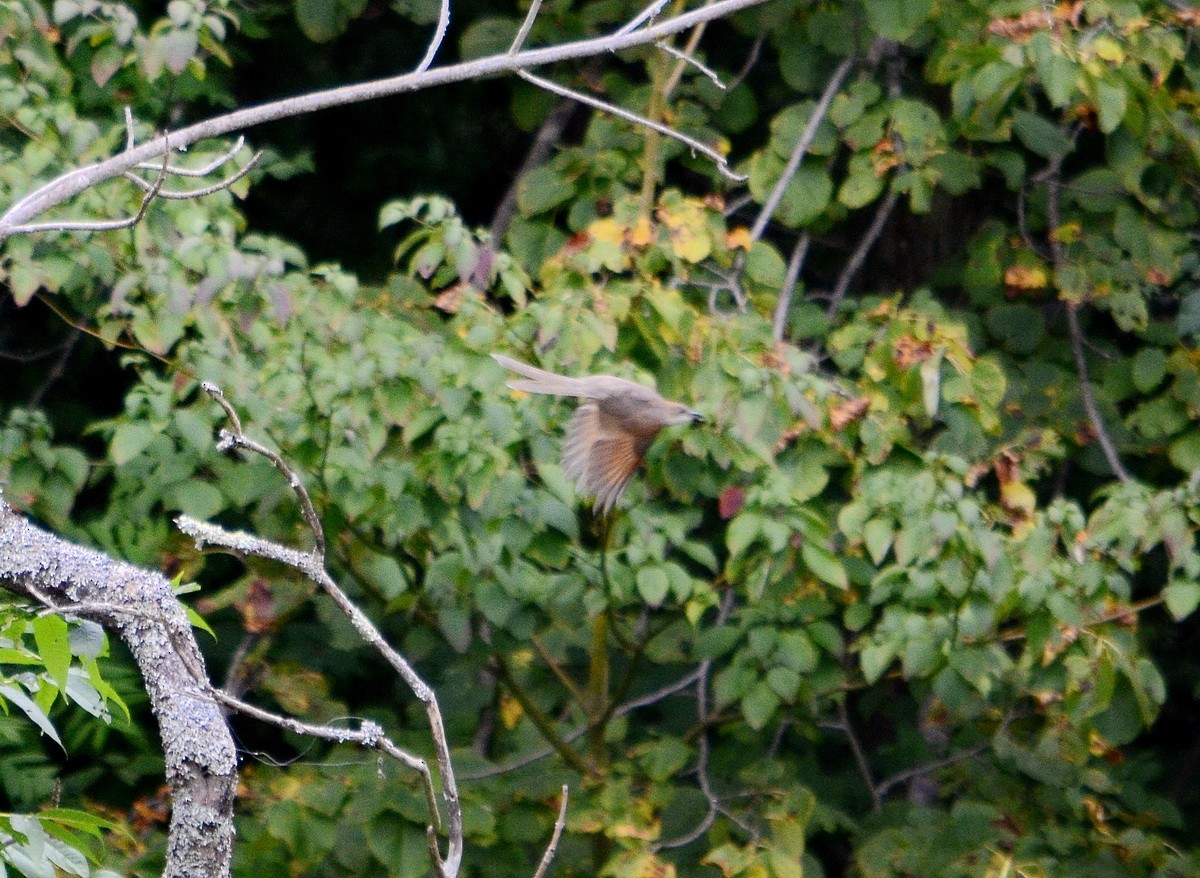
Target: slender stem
point(1058, 254)
point(540, 721)
point(75, 181)
point(860, 252)
point(806, 138)
point(784, 305)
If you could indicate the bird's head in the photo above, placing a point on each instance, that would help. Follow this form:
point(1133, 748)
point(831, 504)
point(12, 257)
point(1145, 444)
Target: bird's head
point(678, 413)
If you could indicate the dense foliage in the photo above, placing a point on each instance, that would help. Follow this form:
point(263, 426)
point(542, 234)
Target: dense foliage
point(929, 625)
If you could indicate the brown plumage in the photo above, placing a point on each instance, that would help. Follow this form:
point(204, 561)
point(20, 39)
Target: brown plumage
point(609, 432)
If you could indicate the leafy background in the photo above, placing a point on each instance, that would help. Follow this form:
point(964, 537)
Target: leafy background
point(936, 633)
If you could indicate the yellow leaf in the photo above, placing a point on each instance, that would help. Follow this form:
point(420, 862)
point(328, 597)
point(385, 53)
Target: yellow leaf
point(607, 230)
point(1026, 277)
point(510, 711)
point(738, 238)
point(642, 233)
point(1108, 49)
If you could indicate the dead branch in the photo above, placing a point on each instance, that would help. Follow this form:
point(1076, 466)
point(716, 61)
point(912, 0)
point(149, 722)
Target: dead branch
point(637, 119)
point(860, 252)
point(312, 565)
point(798, 151)
point(19, 216)
point(784, 305)
point(201, 763)
point(1053, 176)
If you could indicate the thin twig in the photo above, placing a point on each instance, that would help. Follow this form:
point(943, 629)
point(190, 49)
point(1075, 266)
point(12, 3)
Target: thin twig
point(860, 252)
point(1059, 256)
point(574, 735)
point(685, 59)
point(689, 49)
point(702, 745)
point(885, 786)
point(236, 438)
point(312, 565)
point(203, 170)
point(73, 182)
point(99, 225)
point(1089, 398)
point(751, 59)
point(604, 106)
point(184, 194)
point(860, 758)
point(526, 26)
point(806, 138)
point(439, 34)
point(784, 305)
point(56, 371)
point(655, 7)
point(558, 829)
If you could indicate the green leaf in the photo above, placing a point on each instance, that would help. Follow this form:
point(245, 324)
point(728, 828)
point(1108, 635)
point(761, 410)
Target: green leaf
point(129, 440)
point(31, 710)
point(875, 658)
point(824, 565)
point(1185, 451)
point(760, 705)
point(1056, 71)
point(1112, 102)
point(1149, 369)
point(1040, 135)
point(1183, 596)
point(653, 585)
point(197, 621)
point(862, 185)
point(50, 633)
point(897, 19)
point(877, 535)
point(785, 682)
point(491, 35)
point(543, 189)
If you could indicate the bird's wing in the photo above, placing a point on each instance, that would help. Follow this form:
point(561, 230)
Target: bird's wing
point(540, 381)
point(599, 457)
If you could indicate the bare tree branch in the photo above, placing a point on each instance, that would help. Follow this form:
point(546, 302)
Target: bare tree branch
point(183, 194)
point(73, 182)
point(885, 786)
point(139, 606)
point(844, 726)
point(655, 7)
point(97, 225)
point(628, 115)
point(1058, 255)
point(702, 745)
point(439, 34)
point(202, 171)
point(685, 59)
point(312, 565)
point(860, 252)
point(558, 828)
point(790, 278)
point(806, 138)
point(688, 50)
point(369, 735)
point(526, 26)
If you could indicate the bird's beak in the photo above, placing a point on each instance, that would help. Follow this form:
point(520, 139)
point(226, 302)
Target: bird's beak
point(696, 417)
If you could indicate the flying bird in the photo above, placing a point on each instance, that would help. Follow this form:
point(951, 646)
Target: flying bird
point(610, 430)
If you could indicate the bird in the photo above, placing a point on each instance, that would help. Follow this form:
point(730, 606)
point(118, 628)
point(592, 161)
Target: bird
point(609, 431)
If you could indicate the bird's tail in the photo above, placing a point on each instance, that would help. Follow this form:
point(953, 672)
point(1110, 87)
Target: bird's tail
point(540, 381)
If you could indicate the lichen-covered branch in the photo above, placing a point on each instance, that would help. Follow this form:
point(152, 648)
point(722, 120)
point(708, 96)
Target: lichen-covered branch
point(138, 605)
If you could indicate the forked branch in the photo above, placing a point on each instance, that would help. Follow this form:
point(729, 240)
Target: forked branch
point(19, 217)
